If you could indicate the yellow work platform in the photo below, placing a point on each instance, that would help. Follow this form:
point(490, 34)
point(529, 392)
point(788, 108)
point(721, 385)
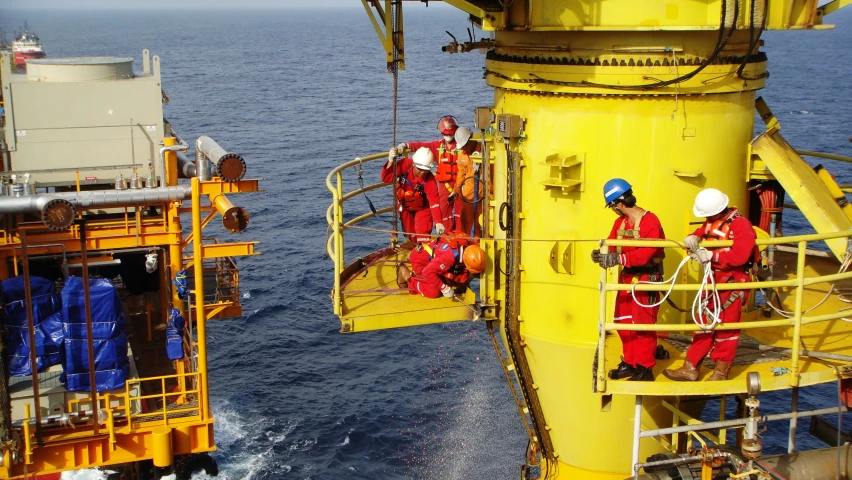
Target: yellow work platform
point(832, 337)
point(372, 300)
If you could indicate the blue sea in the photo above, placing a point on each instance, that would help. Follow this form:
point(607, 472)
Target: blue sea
point(298, 92)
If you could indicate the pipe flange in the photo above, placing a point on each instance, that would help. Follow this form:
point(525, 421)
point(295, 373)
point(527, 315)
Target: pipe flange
point(58, 215)
point(231, 167)
point(235, 220)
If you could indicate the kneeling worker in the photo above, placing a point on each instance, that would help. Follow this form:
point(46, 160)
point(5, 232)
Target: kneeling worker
point(442, 265)
point(640, 264)
point(730, 264)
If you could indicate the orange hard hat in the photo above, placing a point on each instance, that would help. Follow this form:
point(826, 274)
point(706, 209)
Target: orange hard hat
point(447, 125)
point(474, 259)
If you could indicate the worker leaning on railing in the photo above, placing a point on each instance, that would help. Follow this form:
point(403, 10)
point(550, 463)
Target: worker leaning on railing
point(640, 264)
point(416, 191)
point(729, 264)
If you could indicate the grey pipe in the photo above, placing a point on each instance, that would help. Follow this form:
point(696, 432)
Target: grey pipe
point(96, 198)
point(26, 203)
point(186, 167)
point(229, 166)
point(117, 198)
point(202, 168)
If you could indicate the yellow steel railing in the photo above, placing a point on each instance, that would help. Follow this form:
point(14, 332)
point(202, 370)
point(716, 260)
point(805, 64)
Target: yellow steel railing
point(334, 216)
point(162, 409)
point(796, 320)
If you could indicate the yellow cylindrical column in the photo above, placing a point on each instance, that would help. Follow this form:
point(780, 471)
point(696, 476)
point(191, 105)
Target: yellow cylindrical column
point(669, 143)
point(162, 444)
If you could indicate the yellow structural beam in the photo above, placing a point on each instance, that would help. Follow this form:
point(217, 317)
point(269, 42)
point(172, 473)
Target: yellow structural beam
point(213, 187)
point(55, 456)
point(231, 249)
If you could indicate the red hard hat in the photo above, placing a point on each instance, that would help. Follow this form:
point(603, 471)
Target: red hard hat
point(447, 125)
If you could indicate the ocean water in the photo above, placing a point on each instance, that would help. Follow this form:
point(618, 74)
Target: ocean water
point(298, 92)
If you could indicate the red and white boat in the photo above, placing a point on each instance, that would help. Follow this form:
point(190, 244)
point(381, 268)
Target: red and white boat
point(26, 46)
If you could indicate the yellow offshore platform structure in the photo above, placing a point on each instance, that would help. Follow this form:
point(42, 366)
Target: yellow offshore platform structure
point(104, 279)
point(662, 93)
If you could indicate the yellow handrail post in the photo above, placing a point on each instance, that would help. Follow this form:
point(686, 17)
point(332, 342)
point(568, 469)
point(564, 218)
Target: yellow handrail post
point(797, 319)
point(110, 423)
point(28, 446)
point(338, 244)
point(201, 323)
point(601, 378)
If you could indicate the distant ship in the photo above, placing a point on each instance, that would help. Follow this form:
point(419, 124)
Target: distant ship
point(26, 46)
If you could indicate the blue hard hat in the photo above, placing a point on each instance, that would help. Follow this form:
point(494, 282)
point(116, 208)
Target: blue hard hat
point(615, 188)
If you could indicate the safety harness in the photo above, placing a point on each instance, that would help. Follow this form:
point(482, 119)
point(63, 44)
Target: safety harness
point(457, 275)
point(655, 267)
point(412, 197)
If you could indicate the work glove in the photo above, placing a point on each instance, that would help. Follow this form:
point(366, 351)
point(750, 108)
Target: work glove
point(391, 156)
point(447, 291)
point(439, 227)
point(606, 260)
point(691, 242)
point(402, 147)
point(702, 255)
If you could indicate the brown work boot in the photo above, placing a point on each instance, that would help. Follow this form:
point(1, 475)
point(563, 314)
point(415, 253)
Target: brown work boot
point(721, 371)
point(402, 276)
point(687, 372)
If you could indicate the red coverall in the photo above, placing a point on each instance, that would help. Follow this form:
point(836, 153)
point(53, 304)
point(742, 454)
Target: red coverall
point(449, 210)
point(419, 220)
point(428, 269)
point(639, 347)
point(728, 265)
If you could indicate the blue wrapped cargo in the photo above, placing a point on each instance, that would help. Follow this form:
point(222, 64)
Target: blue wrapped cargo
point(111, 364)
point(174, 335)
point(47, 320)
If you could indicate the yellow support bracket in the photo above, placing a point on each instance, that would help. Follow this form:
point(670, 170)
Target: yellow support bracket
point(383, 23)
point(214, 187)
point(832, 7)
point(232, 249)
point(204, 223)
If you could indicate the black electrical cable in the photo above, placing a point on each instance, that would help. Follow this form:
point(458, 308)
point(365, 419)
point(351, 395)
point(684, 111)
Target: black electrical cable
point(720, 45)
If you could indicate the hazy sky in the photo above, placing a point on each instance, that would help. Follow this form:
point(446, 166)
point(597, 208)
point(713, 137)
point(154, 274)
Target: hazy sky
point(113, 4)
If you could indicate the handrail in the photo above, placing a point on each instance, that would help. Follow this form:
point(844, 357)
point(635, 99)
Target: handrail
point(334, 216)
point(797, 319)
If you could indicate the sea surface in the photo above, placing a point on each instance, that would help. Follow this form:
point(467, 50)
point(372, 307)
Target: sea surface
point(298, 92)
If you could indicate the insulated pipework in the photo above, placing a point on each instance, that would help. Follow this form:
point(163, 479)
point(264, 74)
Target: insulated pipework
point(230, 166)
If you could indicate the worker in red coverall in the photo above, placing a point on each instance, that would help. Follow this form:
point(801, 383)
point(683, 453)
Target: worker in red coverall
point(435, 266)
point(444, 151)
point(416, 193)
point(730, 264)
point(640, 264)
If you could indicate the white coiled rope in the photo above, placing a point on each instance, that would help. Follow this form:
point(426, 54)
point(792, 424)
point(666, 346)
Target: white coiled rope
point(700, 303)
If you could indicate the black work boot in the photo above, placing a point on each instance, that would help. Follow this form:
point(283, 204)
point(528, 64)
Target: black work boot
point(643, 374)
point(623, 370)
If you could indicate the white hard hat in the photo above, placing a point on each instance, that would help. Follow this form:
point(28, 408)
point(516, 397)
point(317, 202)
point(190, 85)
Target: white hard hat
point(709, 202)
point(462, 136)
point(423, 158)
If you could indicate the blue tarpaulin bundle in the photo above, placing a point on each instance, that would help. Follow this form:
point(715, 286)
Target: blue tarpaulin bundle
point(174, 335)
point(108, 337)
point(47, 320)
